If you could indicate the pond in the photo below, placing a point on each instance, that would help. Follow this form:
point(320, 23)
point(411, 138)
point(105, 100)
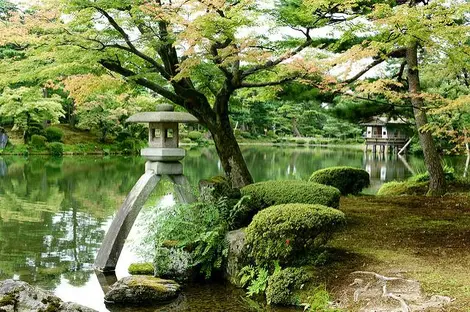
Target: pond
point(54, 213)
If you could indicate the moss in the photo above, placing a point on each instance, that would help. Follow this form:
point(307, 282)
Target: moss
point(286, 232)
point(154, 283)
point(8, 299)
point(348, 180)
point(141, 269)
point(403, 188)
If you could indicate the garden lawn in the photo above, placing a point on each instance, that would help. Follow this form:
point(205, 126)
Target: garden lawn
point(422, 238)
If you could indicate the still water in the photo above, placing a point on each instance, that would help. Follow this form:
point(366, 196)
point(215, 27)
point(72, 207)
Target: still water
point(54, 212)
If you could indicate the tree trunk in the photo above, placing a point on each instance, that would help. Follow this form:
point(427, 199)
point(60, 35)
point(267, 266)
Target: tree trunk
point(229, 153)
point(437, 183)
point(295, 130)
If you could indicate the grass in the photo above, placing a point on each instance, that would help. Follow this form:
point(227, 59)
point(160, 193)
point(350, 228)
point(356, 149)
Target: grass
point(423, 238)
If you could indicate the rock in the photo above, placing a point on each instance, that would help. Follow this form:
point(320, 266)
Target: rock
point(236, 258)
point(142, 289)
point(18, 296)
point(372, 292)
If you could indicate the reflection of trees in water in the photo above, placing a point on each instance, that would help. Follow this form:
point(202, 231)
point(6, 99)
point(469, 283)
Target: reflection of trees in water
point(52, 212)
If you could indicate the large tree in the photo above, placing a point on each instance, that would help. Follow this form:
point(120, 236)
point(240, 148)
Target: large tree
point(416, 33)
point(198, 54)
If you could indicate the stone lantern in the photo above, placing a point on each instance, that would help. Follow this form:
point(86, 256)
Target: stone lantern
point(163, 157)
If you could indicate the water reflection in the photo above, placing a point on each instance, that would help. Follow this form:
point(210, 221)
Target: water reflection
point(54, 211)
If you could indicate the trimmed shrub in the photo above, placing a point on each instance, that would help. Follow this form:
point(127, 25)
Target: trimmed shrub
point(38, 141)
point(301, 141)
point(56, 148)
point(195, 135)
point(53, 134)
point(141, 269)
point(285, 232)
point(283, 284)
point(347, 180)
point(186, 140)
point(269, 193)
point(403, 188)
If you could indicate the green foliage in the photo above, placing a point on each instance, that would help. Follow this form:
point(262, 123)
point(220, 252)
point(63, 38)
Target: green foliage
point(27, 106)
point(285, 232)
point(130, 146)
point(254, 279)
point(185, 140)
point(141, 269)
point(319, 301)
point(53, 134)
point(199, 228)
point(403, 188)
point(56, 148)
point(265, 194)
point(449, 173)
point(348, 180)
point(195, 135)
point(38, 141)
point(283, 284)
point(300, 141)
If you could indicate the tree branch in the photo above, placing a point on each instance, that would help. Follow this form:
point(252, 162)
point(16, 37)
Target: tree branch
point(115, 66)
point(279, 60)
point(266, 84)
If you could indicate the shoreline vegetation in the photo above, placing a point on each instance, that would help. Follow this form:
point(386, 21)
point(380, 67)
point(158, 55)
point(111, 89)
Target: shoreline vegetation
point(79, 142)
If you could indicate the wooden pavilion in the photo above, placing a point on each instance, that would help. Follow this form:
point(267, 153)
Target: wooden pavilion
point(386, 134)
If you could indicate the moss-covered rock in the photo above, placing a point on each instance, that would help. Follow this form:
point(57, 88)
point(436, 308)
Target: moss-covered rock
point(20, 296)
point(141, 269)
point(286, 232)
point(403, 188)
point(347, 180)
point(142, 289)
point(282, 286)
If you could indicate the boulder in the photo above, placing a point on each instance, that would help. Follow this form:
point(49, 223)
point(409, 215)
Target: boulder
point(142, 289)
point(236, 257)
point(18, 296)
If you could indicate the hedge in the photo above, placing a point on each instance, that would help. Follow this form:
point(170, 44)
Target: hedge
point(285, 232)
point(348, 180)
point(53, 134)
point(38, 141)
point(269, 193)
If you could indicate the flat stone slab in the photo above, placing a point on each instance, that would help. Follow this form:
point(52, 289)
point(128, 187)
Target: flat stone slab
point(18, 296)
point(372, 292)
point(148, 117)
point(142, 289)
point(163, 154)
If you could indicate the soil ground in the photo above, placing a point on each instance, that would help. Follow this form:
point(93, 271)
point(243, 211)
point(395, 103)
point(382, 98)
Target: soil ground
point(422, 238)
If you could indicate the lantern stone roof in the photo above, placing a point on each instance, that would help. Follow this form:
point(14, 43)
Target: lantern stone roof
point(383, 121)
point(163, 114)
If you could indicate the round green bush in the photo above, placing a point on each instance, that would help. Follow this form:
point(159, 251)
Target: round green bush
point(285, 232)
point(186, 140)
point(56, 148)
point(269, 193)
point(38, 141)
point(129, 146)
point(283, 284)
point(301, 141)
point(195, 135)
point(348, 180)
point(53, 134)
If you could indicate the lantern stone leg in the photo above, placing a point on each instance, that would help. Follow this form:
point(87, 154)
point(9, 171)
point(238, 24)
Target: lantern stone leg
point(163, 156)
point(113, 242)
